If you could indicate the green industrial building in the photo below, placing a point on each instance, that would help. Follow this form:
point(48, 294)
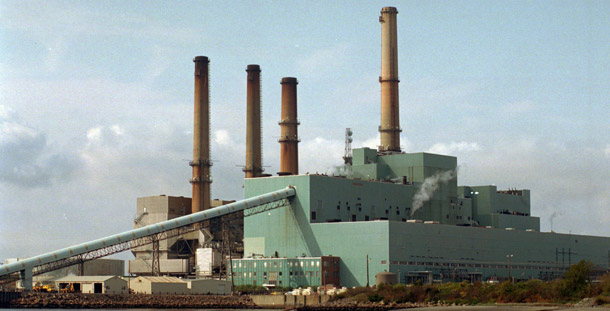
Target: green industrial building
point(287, 272)
point(458, 233)
point(404, 213)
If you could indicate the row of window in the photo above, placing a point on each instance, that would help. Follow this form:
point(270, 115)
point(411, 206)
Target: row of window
point(308, 274)
point(276, 264)
point(473, 265)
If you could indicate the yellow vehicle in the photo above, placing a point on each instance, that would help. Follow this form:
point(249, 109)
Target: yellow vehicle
point(46, 288)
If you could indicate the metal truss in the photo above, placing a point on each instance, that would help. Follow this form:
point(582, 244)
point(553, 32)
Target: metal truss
point(110, 250)
point(266, 207)
point(145, 240)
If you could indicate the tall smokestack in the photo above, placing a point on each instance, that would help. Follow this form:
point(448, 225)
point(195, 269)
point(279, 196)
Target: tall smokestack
point(254, 167)
point(289, 139)
point(389, 129)
point(201, 137)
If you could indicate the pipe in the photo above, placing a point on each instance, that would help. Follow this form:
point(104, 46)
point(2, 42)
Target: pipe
point(201, 137)
point(254, 167)
point(289, 139)
point(127, 236)
point(389, 130)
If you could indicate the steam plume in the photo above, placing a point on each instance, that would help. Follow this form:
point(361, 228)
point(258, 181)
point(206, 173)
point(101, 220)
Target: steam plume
point(429, 186)
point(553, 216)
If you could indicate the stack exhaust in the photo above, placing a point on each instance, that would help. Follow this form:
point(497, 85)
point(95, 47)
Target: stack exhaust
point(389, 129)
point(201, 137)
point(289, 139)
point(254, 166)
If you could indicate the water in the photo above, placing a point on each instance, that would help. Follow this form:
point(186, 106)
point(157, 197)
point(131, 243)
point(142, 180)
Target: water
point(143, 309)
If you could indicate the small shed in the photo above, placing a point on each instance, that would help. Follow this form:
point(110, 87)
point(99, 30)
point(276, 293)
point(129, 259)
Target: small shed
point(92, 284)
point(209, 287)
point(158, 285)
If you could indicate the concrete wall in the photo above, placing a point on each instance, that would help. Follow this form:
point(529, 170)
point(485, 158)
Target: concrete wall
point(209, 286)
point(145, 285)
point(288, 301)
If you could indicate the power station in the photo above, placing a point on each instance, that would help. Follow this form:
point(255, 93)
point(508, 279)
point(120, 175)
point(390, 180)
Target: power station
point(402, 215)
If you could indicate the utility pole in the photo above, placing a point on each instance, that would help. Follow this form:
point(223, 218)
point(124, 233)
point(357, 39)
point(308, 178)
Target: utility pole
point(508, 257)
point(367, 270)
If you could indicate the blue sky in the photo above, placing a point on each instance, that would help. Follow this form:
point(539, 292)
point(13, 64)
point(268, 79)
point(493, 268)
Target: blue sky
point(96, 101)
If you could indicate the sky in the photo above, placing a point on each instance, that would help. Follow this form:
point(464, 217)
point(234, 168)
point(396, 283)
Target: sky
point(96, 101)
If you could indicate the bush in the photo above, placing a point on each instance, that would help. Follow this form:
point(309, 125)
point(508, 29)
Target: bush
point(250, 289)
point(576, 282)
point(375, 298)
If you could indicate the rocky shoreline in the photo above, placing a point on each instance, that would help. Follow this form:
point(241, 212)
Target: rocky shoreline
point(96, 301)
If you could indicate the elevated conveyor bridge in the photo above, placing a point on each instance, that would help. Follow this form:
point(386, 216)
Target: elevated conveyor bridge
point(25, 269)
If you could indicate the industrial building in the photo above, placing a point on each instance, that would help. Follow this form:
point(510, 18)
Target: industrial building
point(176, 256)
point(92, 284)
point(404, 213)
point(389, 211)
point(287, 272)
point(158, 285)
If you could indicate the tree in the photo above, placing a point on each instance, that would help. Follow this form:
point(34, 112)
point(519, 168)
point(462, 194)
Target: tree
point(576, 281)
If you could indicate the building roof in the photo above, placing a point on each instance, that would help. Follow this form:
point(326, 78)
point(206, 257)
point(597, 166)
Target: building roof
point(93, 278)
point(161, 279)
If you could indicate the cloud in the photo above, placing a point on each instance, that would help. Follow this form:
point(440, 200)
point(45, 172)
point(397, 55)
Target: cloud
point(454, 147)
point(49, 20)
point(94, 134)
point(518, 107)
point(568, 179)
point(607, 151)
point(323, 60)
point(27, 158)
point(222, 137)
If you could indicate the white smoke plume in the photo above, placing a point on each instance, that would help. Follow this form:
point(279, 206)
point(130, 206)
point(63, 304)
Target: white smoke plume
point(429, 186)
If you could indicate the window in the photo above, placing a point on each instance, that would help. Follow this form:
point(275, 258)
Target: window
point(397, 212)
point(325, 263)
point(240, 264)
point(301, 264)
point(280, 273)
point(249, 274)
point(255, 264)
point(366, 217)
point(245, 274)
point(280, 264)
point(254, 274)
point(275, 264)
point(313, 215)
point(265, 264)
point(317, 263)
point(290, 273)
point(353, 217)
point(387, 212)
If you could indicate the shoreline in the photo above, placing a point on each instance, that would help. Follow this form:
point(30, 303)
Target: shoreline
point(129, 301)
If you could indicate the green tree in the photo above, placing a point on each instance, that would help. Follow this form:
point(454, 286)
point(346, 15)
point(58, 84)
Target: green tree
point(576, 282)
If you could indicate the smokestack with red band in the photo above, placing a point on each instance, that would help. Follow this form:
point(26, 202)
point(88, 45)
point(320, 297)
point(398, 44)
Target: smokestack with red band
point(389, 129)
point(201, 137)
point(254, 167)
point(289, 153)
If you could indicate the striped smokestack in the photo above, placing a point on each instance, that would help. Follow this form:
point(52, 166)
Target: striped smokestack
point(201, 137)
point(389, 129)
point(254, 167)
point(289, 139)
